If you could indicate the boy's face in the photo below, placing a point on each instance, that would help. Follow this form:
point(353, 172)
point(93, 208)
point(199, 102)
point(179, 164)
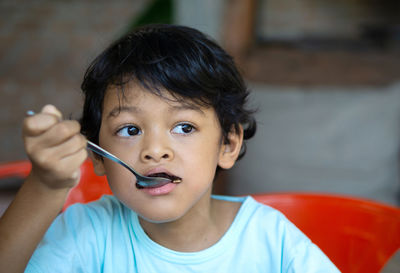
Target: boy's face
point(155, 135)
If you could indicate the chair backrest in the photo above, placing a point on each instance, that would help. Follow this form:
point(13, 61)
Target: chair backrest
point(91, 187)
point(357, 235)
point(18, 169)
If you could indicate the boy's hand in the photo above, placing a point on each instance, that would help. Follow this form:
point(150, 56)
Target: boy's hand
point(55, 147)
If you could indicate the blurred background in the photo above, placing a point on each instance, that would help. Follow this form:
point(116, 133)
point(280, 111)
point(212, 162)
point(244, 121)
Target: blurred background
point(324, 75)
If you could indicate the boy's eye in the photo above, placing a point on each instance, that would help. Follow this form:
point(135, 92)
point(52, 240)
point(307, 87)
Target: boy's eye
point(183, 128)
point(128, 131)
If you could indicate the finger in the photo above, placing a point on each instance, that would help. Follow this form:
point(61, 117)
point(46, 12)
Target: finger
point(55, 135)
point(52, 110)
point(35, 124)
point(64, 173)
point(71, 163)
point(39, 123)
point(61, 132)
point(42, 146)
point(70, 146)
point(74, 161)
point(69, 166)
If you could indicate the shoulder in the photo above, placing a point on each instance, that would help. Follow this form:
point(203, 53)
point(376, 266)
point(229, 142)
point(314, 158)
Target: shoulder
point(83, 220)
point(277, 237)
point(252, 210)
point(261, 221)
point(107, 203)
point(274, 227)
point(77, 237)
point(100, 211)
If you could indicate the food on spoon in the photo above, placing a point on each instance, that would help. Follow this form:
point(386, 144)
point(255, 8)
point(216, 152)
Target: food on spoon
point(174, 179)
point(177, 180)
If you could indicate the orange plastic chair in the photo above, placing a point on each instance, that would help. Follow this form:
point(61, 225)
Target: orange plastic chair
point(91, 187)
point(357, 235)
point(18, 169)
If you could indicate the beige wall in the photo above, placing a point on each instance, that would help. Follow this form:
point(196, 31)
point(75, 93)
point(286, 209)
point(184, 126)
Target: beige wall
point(45, 47)
point(291, 19)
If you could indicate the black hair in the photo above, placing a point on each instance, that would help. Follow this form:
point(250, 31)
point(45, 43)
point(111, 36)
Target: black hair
point(178, 59)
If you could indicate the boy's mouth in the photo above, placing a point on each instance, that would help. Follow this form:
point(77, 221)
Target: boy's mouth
point(174, 179)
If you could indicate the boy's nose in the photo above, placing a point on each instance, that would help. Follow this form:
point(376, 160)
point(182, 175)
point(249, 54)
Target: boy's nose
point(156, 150)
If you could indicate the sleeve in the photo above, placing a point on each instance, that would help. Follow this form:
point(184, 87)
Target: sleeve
point(309, 258)
point(69, 245)
point(302, 254)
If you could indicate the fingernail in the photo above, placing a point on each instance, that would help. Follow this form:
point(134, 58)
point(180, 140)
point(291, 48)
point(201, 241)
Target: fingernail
point(30, 113)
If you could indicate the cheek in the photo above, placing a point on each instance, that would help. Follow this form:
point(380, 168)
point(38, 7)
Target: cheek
point(202, 160)
point(119, 178)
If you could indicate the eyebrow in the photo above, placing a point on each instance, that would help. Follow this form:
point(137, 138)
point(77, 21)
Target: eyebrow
point(183, 107)
point(133, 109)
point(118, 109)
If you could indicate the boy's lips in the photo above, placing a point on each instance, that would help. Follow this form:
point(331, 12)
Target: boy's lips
point(162, 190)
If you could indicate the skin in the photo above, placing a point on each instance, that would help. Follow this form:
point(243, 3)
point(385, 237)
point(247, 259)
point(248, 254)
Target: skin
point(185, 218)
point(182, 141)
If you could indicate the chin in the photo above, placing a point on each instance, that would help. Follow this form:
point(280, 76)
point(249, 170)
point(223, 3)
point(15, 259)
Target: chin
point(162, 214)
point(159, 219)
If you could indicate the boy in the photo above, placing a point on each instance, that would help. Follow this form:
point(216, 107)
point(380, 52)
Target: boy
point(168, 101)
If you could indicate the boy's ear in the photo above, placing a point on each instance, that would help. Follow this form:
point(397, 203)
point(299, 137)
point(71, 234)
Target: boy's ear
point(230, 148)
point(98, 164)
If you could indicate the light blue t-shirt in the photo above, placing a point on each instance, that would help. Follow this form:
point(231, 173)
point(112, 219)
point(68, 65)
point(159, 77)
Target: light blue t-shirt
point(105, 236)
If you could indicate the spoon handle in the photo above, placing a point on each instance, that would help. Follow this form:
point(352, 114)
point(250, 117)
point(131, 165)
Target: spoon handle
point(98, 150)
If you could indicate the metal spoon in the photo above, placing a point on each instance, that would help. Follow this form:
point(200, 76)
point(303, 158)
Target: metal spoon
point(142, 181)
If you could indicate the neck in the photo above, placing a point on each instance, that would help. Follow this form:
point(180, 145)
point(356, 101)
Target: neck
point(201, 227)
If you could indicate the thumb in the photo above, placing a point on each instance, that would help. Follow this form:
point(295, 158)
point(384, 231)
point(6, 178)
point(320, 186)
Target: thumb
point(37, 124)
point(52, 110)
